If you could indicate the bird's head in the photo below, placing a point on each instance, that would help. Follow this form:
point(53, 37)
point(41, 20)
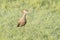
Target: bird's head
point(24, 11)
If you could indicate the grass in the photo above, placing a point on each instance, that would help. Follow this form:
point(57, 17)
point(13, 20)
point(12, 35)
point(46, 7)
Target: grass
point(43, 20)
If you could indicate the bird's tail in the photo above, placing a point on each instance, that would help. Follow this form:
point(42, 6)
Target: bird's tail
point(18, 24)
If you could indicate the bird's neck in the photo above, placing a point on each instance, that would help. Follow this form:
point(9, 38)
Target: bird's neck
point(24, 16)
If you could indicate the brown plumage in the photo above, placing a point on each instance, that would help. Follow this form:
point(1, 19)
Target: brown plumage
point(22, 21)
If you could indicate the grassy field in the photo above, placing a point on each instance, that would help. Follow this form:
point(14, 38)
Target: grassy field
point(43, 20)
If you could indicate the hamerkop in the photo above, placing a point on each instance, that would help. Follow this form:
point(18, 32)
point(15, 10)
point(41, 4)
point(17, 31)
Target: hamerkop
point(22, 21)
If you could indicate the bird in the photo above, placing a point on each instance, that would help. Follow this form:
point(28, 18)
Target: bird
point(22, 21)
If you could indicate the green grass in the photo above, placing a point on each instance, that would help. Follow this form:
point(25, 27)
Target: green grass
point(43, 20)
